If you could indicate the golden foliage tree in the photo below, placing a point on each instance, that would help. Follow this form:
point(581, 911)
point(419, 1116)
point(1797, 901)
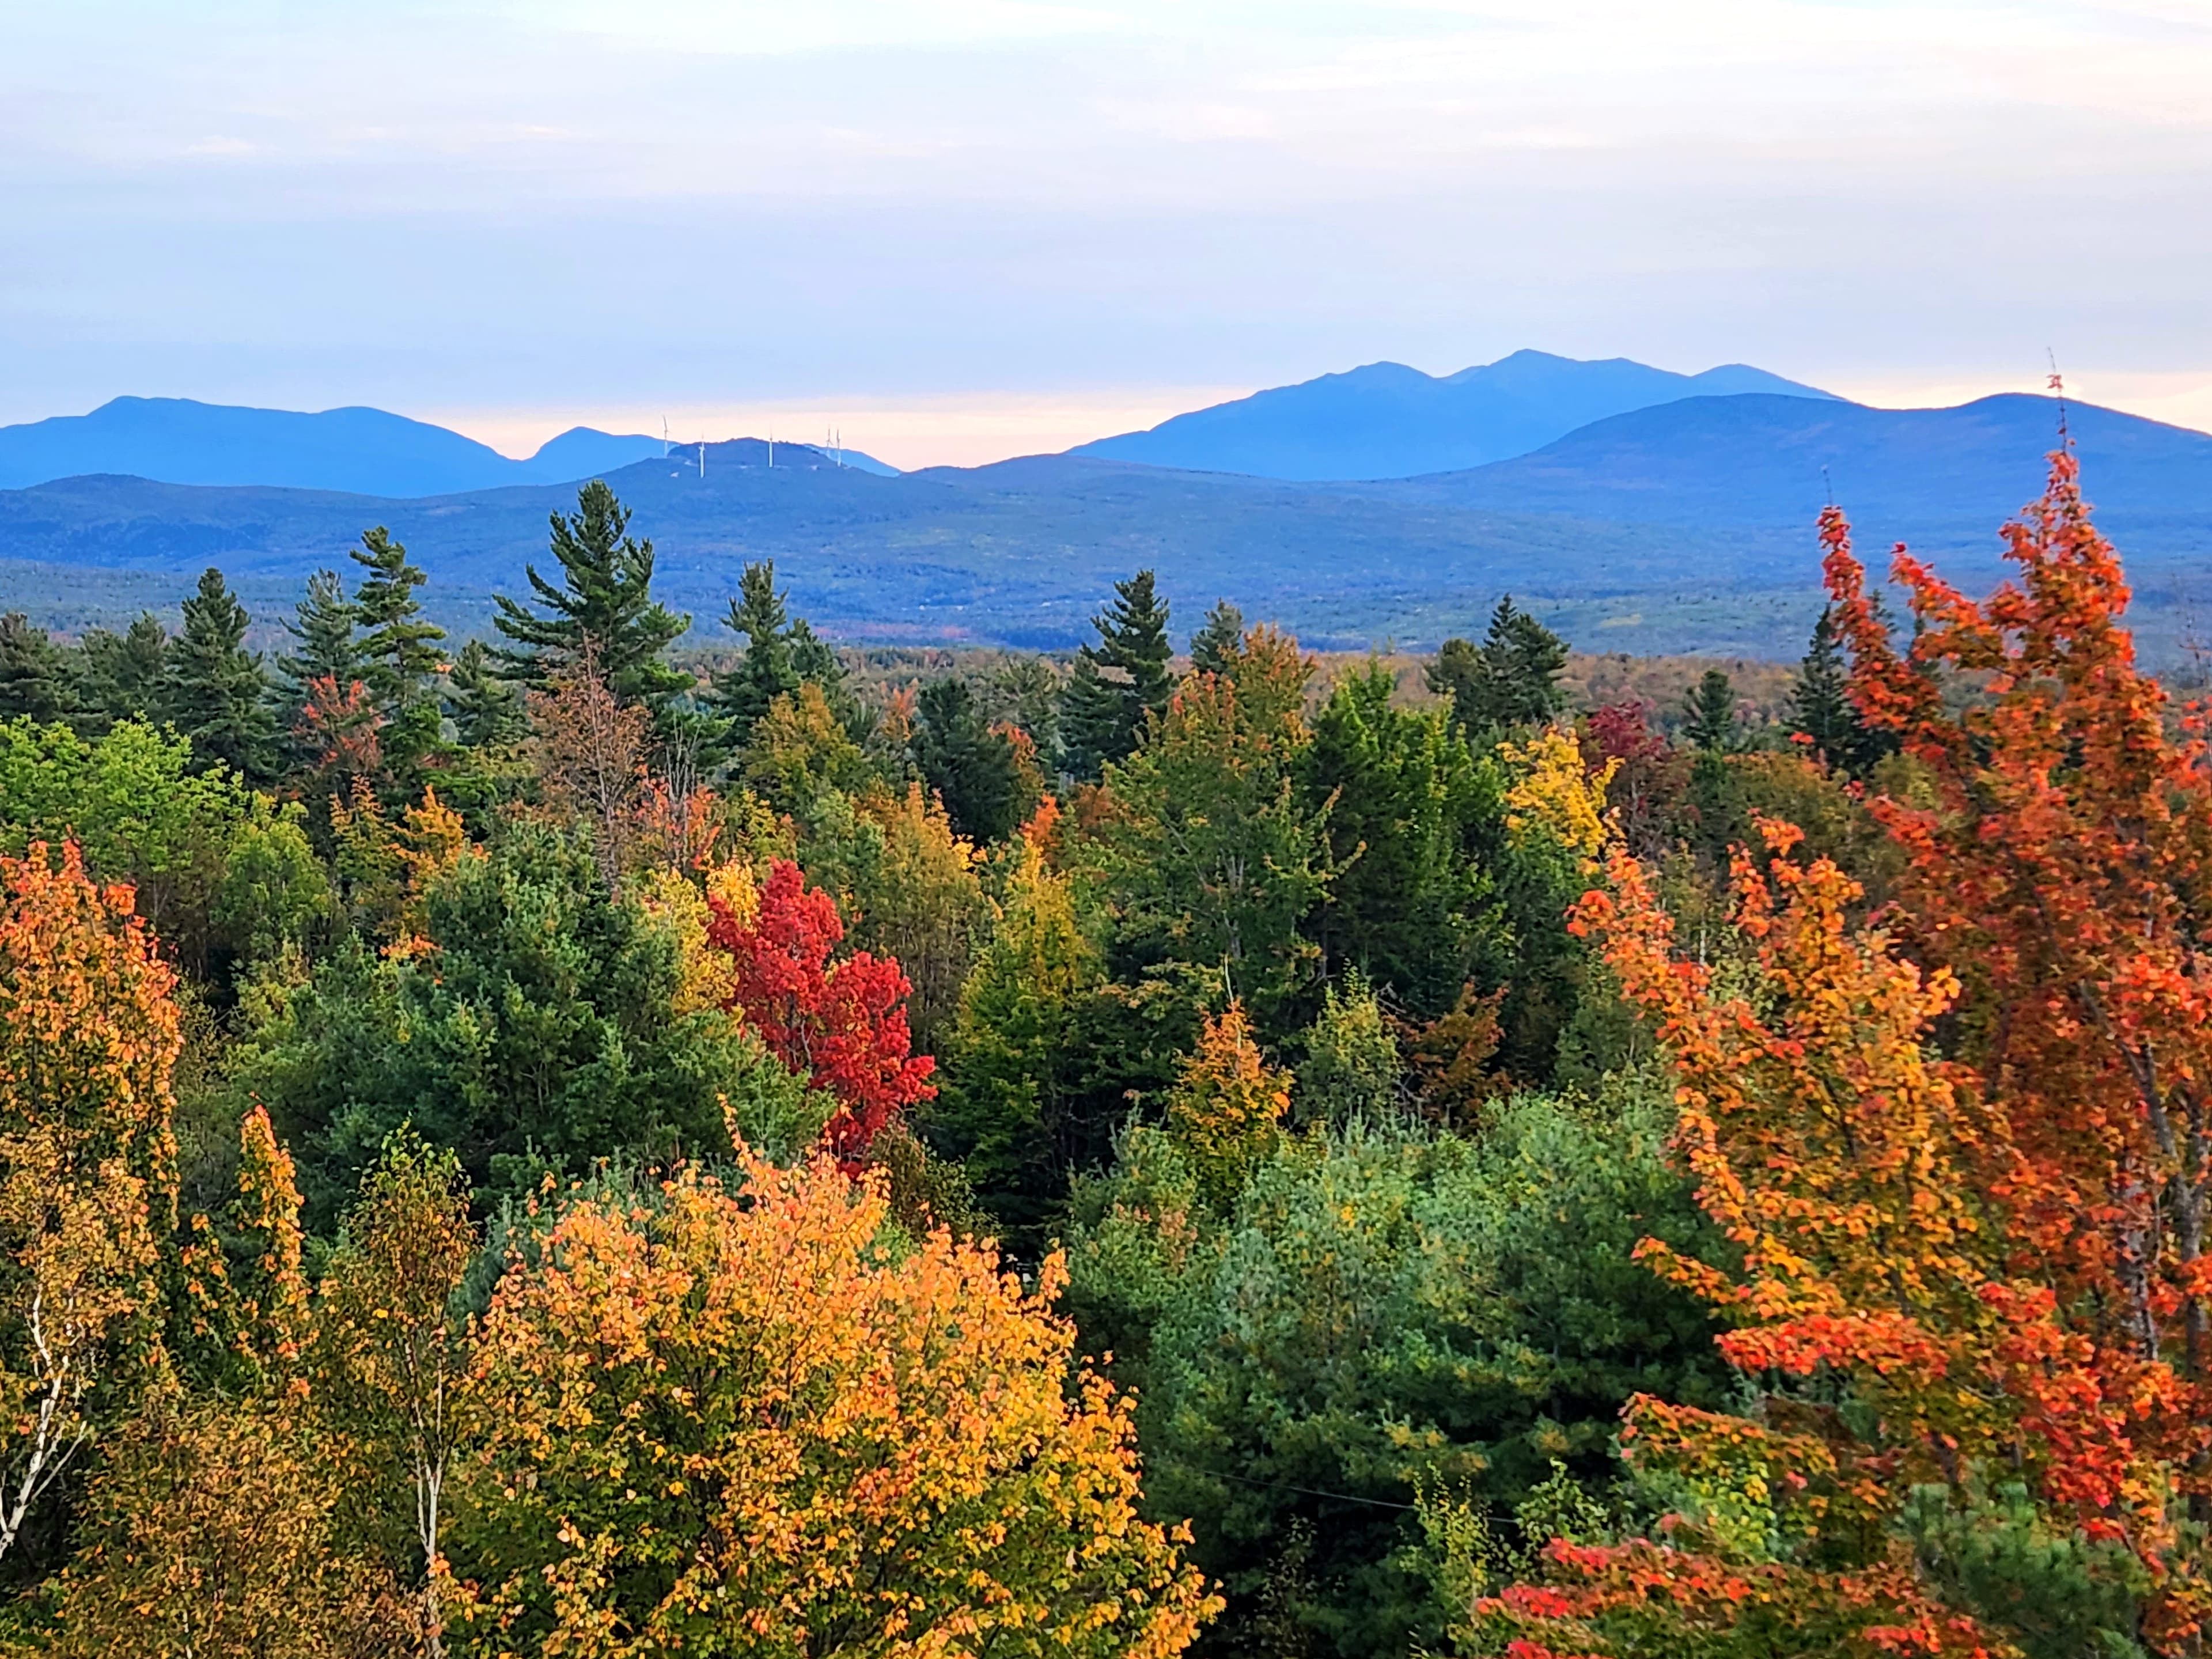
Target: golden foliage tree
point(394, 1342)
point(922, 901)
point(733, 1422)
point(1227, 1104)
point(88, 1037)
point(212, 1531)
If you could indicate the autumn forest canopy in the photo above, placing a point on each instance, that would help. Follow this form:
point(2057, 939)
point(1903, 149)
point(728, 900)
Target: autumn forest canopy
point(548, 1145)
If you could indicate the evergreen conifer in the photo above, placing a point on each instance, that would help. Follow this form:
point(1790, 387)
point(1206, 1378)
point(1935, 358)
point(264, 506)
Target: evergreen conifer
point(1821, 709)
point(399, 654)
point(486, 707)
point(766, 671)
point(974, 770)
point(123, 671)
point(34, 676)
point(1119, 682)
point(324, 622)
point(1511, 681)
point(214, 689)
point(1709, 722)
point(606, 599)
point(1213, 647)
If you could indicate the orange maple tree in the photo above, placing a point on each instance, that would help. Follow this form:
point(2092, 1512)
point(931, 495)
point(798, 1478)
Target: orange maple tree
point(1996, 1243)
point(89, 1037)
point(1227, 1103)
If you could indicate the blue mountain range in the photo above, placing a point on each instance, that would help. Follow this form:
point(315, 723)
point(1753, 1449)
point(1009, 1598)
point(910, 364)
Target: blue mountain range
point(1682, 524)
point(361, 452)
point(1387, 421)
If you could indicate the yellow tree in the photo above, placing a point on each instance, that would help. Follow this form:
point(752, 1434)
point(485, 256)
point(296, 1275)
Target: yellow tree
point(734, 1421)
point(212, 1531)
point(923, 902)
point(1227, 1104)
point(88, 1037)
point(394, 1341)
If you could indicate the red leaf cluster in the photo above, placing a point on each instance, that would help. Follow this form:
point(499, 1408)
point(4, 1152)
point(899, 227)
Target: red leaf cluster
point(841, 1024)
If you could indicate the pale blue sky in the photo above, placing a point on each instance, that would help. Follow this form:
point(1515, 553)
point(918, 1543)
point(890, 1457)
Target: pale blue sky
point(972, 229)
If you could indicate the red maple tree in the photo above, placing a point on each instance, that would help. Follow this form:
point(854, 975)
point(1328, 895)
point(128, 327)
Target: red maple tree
point(840, 1023)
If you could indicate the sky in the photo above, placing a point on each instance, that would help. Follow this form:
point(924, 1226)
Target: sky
point(970, 229)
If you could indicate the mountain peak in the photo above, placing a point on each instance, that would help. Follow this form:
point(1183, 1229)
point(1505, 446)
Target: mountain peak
point(1384, 420)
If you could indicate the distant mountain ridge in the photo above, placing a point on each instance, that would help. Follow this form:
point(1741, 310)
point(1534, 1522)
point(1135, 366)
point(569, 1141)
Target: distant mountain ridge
point(1387, 421)
point(1899, 473)
point(1683, 526)
point(359, 451)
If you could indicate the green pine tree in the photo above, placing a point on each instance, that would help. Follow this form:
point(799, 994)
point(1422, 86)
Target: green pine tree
point(1710, 716)
point(399, 654)
point(324, 622)
point(486, 707)
point(1119, 683)
point(34, 676)
point(123, 671)
point(1820, 708)
point(974, 770)
point(1511, 681)
point(742, 695)
point(214, 689)
point(604, 605)
point(783, 654)
point(1213, 648)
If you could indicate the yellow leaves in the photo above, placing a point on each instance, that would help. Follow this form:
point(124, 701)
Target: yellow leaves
point(733, 886)
point(867, 1440)
point(1228, 1104)
point(1551, 792)
point(680, 911)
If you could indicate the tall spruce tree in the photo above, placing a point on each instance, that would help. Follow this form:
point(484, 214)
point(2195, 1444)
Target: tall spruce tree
point(605, 600)
point(1512, 680)
point(319, 712)
point(974, 770)
point(1213, 648)
point(1119, 681)
point(123, 671)
point(325, 623)
point(766, 671)
point(1710, 716)
point(215, 689)
point(35, 680)
point(1820, 708)
point(782, 653)
point(486, 707)
point(399, 654)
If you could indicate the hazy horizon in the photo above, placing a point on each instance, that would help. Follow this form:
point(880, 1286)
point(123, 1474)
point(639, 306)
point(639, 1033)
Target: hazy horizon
point(1018, 226)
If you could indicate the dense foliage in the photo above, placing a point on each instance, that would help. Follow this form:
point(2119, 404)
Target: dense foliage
point(562, 1148)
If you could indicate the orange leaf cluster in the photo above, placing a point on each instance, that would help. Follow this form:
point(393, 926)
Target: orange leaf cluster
point(2001, 1247)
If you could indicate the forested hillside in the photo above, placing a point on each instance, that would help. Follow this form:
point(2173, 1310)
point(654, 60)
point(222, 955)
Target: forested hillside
point(523, 1147)
point(1681, 528)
